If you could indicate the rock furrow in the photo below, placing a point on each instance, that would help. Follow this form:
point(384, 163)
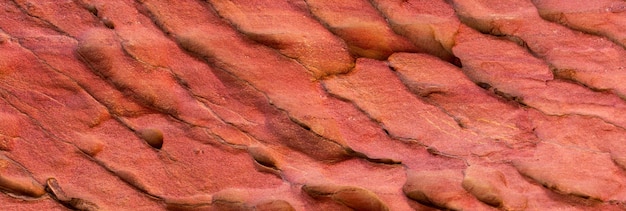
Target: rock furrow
point(361, 26)
point(429, 25)
point(441, 189)
point(404, 115)
point(33, 9)
point(63, 159)
point(550, 162)
point(92, 145)
point(199, 41)
point(166, 154)
point(605, 17)
point(301, 38)
point(40, 117)
point(225, 58)
point(590, 60)
point(311, 105)
point(493, 70)
point(444, 85)
point(520, 77)
point(16, 180)
point(229, 105)
point(319, 118)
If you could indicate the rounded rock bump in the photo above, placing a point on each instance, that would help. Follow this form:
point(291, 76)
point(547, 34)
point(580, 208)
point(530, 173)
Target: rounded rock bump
point(22, 186)
point(90, 145)
point(16, 180)
point(97, 47)
point(359, 199)
point(274, 205)
point(6, 143)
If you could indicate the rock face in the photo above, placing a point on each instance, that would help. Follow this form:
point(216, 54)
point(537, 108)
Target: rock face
point(312, 105)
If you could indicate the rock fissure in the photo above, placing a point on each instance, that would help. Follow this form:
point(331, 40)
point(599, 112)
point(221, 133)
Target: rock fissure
point(54, 137)
point(310, 105)
point(27, 12)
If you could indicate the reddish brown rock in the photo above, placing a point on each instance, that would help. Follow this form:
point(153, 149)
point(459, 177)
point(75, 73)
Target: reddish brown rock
point(317, 111)
point(230, 99)
point(590, 60)
point(353, 197)
point(350, 173)
point(362, 27)
point(301, 37)
point(583, 132)
point(16, 180)
point(44, 157)
point(136, 156)
point(431, 26)
point(77, 22)
point(101, 50)
point(274, 205)
point(234, 105)
point(491, 186)
point(134, 178)
point(559, 168)
point(387, 101)
point(516, 75)
point(12, 203)
point(441, 189)
point(57, 193)
point(206, 156)
point(90, 144)
point(58, 52)
point(596, 17)
point(288, 88)
point(444, 85)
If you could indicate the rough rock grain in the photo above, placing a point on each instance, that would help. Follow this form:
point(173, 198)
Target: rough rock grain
point(301, 38)
point(430, 25)
point(362, 27)
point(605, 17)
point(590, 60)
point(312, 105)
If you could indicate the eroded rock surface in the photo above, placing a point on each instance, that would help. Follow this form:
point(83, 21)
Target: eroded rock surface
point(605, 17)
point(573, 55)
point(312, 105)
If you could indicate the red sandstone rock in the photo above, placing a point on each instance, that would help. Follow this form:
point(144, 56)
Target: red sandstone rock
point(17, 180)
point(301, 37)
point(583, 132)
point(362, 27)
point(387, 101)
point(14, 203)
point(488, 184)
point(516, 75)
point(226, 96)
point(445, 86)
point(186, 105)
point(353, 197)
point(596, 17)
point(441, 189)
point(430, 25)
point(287, 87)
point(558, 170)
point(333, 118)
point(590, 60)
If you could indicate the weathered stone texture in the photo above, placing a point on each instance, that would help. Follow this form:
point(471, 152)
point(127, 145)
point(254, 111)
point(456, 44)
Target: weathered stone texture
point(312, 105)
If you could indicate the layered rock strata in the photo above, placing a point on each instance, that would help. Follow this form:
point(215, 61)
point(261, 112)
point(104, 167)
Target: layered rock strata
point(312, 105)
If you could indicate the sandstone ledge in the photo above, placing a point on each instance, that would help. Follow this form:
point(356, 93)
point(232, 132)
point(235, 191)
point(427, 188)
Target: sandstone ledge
point(312, 105)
